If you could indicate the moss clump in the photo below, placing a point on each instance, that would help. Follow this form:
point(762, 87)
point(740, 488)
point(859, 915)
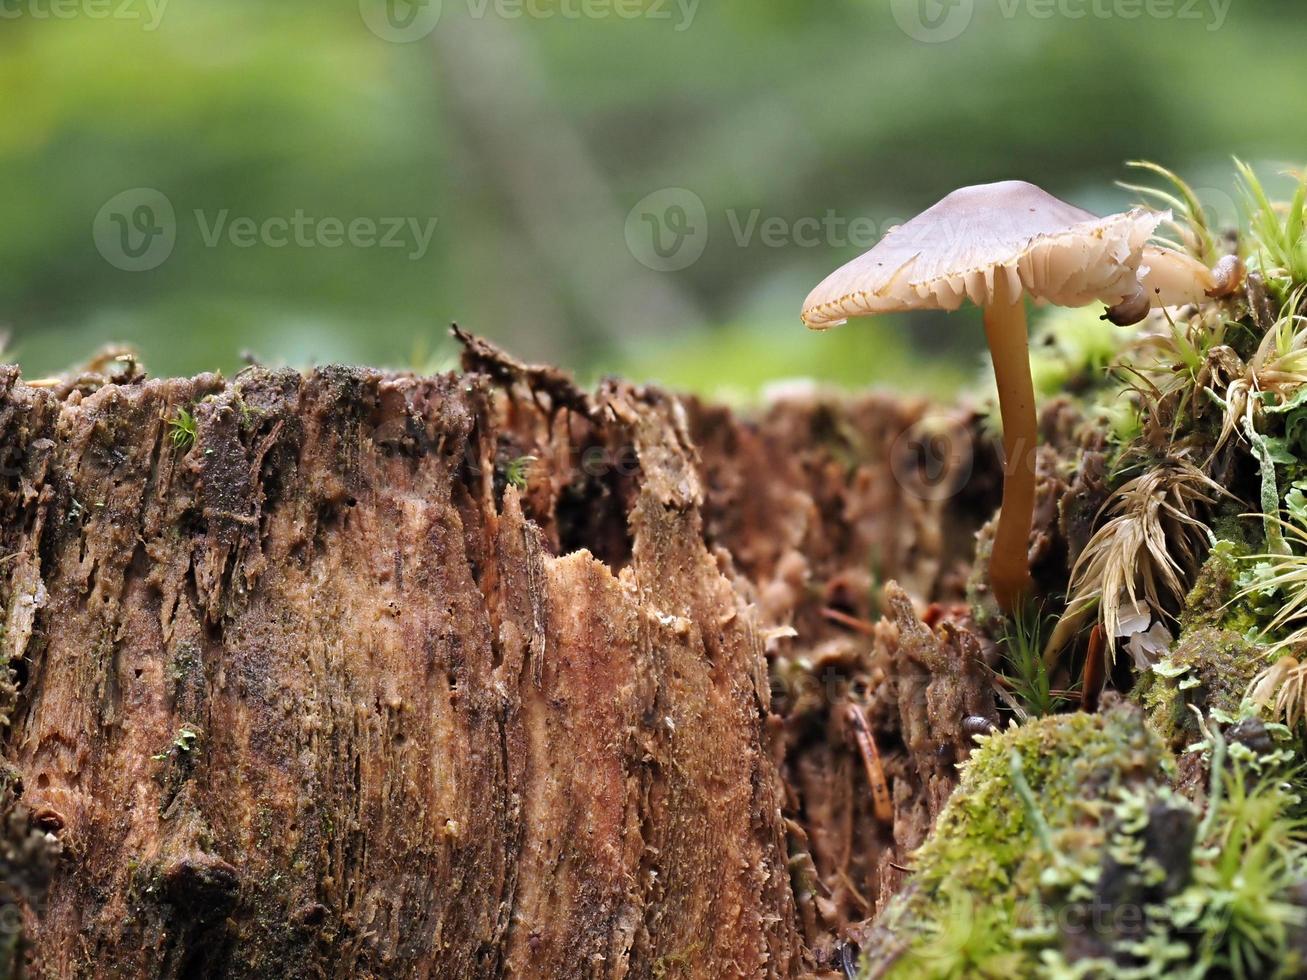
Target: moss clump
point(1210, 669)
point(1032, 800)
point(182, 430)
point(1209, 601)
point(1067, 853)
point(1217, 655)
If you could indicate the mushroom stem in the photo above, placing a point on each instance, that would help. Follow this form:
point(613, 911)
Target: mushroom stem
point(1009, 562)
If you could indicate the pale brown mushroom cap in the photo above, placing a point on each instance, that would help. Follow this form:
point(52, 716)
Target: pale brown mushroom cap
point(1016, 235)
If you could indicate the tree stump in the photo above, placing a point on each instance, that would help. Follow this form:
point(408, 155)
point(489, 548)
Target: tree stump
point(370, 675)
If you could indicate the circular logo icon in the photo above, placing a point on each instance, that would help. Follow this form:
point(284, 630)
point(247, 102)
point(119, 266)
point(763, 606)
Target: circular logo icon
point(594, 461)
point(933, 21)
point(400, 21)
point(1220, 209)
point(136, 230)
point(932, 458)
point(668, 230)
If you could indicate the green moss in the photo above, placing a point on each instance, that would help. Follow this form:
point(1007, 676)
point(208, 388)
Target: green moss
point(1210, 669)
point(1066, 852)
point(1032, 799)
point(1209, 601)
point(1216, 657)
point(517, 471)
point(182, 430)
point(985, 832)
point(250, 415)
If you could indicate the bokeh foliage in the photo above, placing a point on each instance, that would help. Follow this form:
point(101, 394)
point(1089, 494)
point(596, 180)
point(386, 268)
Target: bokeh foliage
point(530, 138)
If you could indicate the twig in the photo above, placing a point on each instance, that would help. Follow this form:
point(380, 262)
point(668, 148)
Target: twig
point(852, 622)
point(882, 805)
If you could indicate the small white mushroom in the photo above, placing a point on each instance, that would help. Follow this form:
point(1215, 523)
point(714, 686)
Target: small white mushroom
point(993, 244)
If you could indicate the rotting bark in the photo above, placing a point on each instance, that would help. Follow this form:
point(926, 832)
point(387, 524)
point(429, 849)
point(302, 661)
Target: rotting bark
point(826, 505)
point(466, 676)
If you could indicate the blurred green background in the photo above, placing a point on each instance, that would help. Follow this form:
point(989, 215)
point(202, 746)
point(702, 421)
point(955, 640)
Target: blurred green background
point(643, 186)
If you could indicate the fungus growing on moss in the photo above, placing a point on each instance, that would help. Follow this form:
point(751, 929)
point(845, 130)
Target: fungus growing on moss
point(993, 244)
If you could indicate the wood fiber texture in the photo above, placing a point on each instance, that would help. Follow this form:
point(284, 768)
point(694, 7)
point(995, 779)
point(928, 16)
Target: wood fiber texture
point(463, 676)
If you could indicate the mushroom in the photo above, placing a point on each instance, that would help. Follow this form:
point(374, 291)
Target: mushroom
point(992, 244)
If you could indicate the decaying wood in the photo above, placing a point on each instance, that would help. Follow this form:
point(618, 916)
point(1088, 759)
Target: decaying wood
point(474, 675)
point(827, 504)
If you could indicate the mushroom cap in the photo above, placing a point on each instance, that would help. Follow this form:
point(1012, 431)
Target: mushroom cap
point(1014, 236)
